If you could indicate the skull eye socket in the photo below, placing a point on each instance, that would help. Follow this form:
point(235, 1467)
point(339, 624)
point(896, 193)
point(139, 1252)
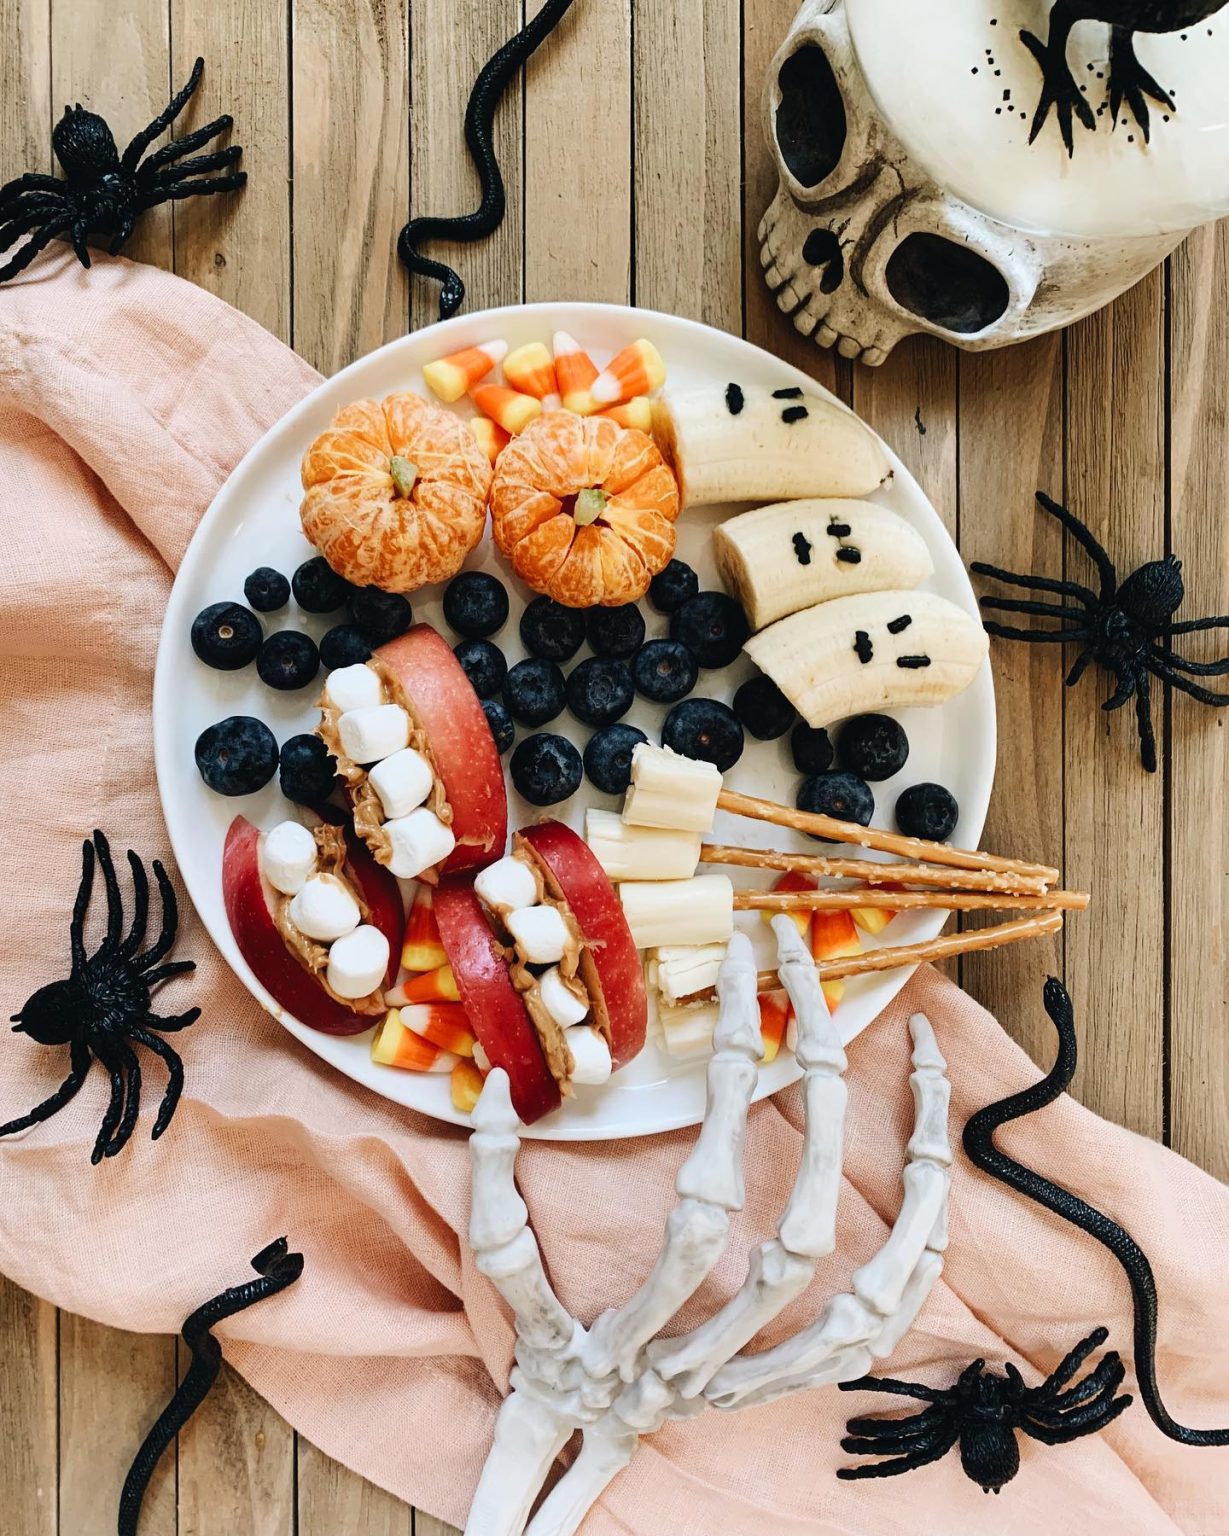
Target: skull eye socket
point(810, 123)
point(950, 285)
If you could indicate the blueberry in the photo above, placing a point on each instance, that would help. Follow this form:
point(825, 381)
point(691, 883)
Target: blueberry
point(380, 615)
point(546, 769)
point(308, 774)
point(704, 729)
point(615, 631)
point(842, 795)
point(608, 757)
point(267, 590)
point(664, 671)
point(600, 690)
point(763, 708)
point(872, 746)
point(534, 691)
point(929, 811)
point(288, 659)
point(712, 626)
point(237, 756)
point(671, 588)
point(484, 666)
point(476, 604)
point(551, 631)
point(500, 721)
point(226, 636)
point(811, 748)
point(343, 646)
point(317, 586)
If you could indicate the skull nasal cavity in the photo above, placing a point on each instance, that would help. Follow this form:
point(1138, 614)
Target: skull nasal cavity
point(947, 284)
point(822, 248)
point(811, 124)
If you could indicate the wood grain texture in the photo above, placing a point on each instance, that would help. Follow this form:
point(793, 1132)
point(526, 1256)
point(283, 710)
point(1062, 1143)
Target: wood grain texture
point(236, 1465)
point(332, 1500)
point(428, 1525)
point(29, 1413)
point(25, 87)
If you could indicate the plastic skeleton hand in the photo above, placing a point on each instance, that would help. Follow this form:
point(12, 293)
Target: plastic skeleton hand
point(617, 1381)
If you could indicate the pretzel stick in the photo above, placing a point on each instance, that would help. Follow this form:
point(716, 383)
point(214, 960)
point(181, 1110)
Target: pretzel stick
point(834, 831)
point(873, 874)
point(934, 949)
point(901, 901)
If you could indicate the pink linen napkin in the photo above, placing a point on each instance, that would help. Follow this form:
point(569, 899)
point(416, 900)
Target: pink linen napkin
point(126, 396)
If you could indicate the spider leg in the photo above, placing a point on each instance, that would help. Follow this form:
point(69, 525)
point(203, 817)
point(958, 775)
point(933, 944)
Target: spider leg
point(1071, 1362)
point(1143, 719)
point(913, 1426)
point(102, 1049)
point(1124, 691)
point(1183, 684)
point(170, 920)
point(121, 235)
point(175, 1022)
point(33, 246)
point(921, 1455)
point(64, 1093)
point(164, 972)
point(77, 930)
point(1095, 551)
point(140, 906)
point(115, 910)
point(177, 148)
point(205, 186)
point(126, 1058)
point(1052, 584)
point(23, 217)
point(163, 120)
point(1080, 667)
point(894, 1388)
point(1040, 610)
point(199, 164)
point(1193, 626)
point(30, 181)
point(1081, 1413)
point(77, 235)
point(1052, 1436)
point(1110, 1368)
point(886, 1445)
point(174, 1067)
point(1193, 668)
point(1058, 636)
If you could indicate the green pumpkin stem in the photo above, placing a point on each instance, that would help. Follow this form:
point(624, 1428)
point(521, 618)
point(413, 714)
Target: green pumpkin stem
point(589, 507)
point(404, 474)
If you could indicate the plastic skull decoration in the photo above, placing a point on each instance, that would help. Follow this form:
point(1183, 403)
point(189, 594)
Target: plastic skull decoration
point(921, 189)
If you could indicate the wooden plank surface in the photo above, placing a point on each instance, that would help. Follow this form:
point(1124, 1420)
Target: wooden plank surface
point(637, 165)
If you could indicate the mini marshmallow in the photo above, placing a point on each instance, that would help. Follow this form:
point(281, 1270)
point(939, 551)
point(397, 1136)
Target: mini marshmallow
point(506, 885)
point(591, 1061)
point(288, 857)
point(402, 781)
point(325, 909)
point(355, 687)
point(371, 734)
point(559, 1000)
point(540, 934)
point(358, 961)
point(419, 841)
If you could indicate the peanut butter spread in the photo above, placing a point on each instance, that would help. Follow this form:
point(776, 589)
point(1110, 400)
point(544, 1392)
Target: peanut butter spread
point(368, 813)
point(331, 842)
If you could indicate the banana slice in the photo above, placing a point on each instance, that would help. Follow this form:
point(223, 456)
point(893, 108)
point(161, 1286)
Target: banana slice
point(780, 559)
point(727, 443)
point(882, 650)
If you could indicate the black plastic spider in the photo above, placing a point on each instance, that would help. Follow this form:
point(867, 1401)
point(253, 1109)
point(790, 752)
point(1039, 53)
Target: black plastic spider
point(1124, 628)
point(983, 1411)
point(105, 1002)
point(106, 192)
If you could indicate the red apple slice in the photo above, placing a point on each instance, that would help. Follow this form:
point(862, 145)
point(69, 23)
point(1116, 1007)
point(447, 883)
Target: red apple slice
point(610, 966)
point(460, 740)
point(249, 904)
point(494, 1006)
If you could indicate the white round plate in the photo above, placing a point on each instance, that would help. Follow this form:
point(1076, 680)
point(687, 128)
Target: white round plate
point(254, 521)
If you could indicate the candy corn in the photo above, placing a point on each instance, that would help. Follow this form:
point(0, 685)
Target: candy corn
point(449, 377)
point(396, 1046)
point(444, 1025)
point(833, 934)
point(637, 413)
point(774, 1015)
point(874, 919)
point(574, 372)
point(531, 369)
point(422, 950)
point(466, 1085)
point(794, 882)
point(492, 438)
point(635, 371)
point(508, 408)
point(438, 986)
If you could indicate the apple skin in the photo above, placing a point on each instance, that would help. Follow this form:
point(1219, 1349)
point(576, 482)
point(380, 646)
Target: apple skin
point(292, 985)
point(586, 888)
point(496, 1012)
point(462, 746)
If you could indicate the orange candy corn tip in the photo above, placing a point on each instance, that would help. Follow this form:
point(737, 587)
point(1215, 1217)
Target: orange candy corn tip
point(466, 1085)
point(637, 413)
point(449, 377)
point(508, 408)
point(396, 1046)
point(444, 1025)
point(574, 372)
point(794, 882)
point(492, 438)
point(774, 1015)
point(531, 369)
point(635, 371)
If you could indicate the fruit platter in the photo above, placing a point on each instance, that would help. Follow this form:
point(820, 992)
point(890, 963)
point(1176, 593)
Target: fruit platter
point(531, 655)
